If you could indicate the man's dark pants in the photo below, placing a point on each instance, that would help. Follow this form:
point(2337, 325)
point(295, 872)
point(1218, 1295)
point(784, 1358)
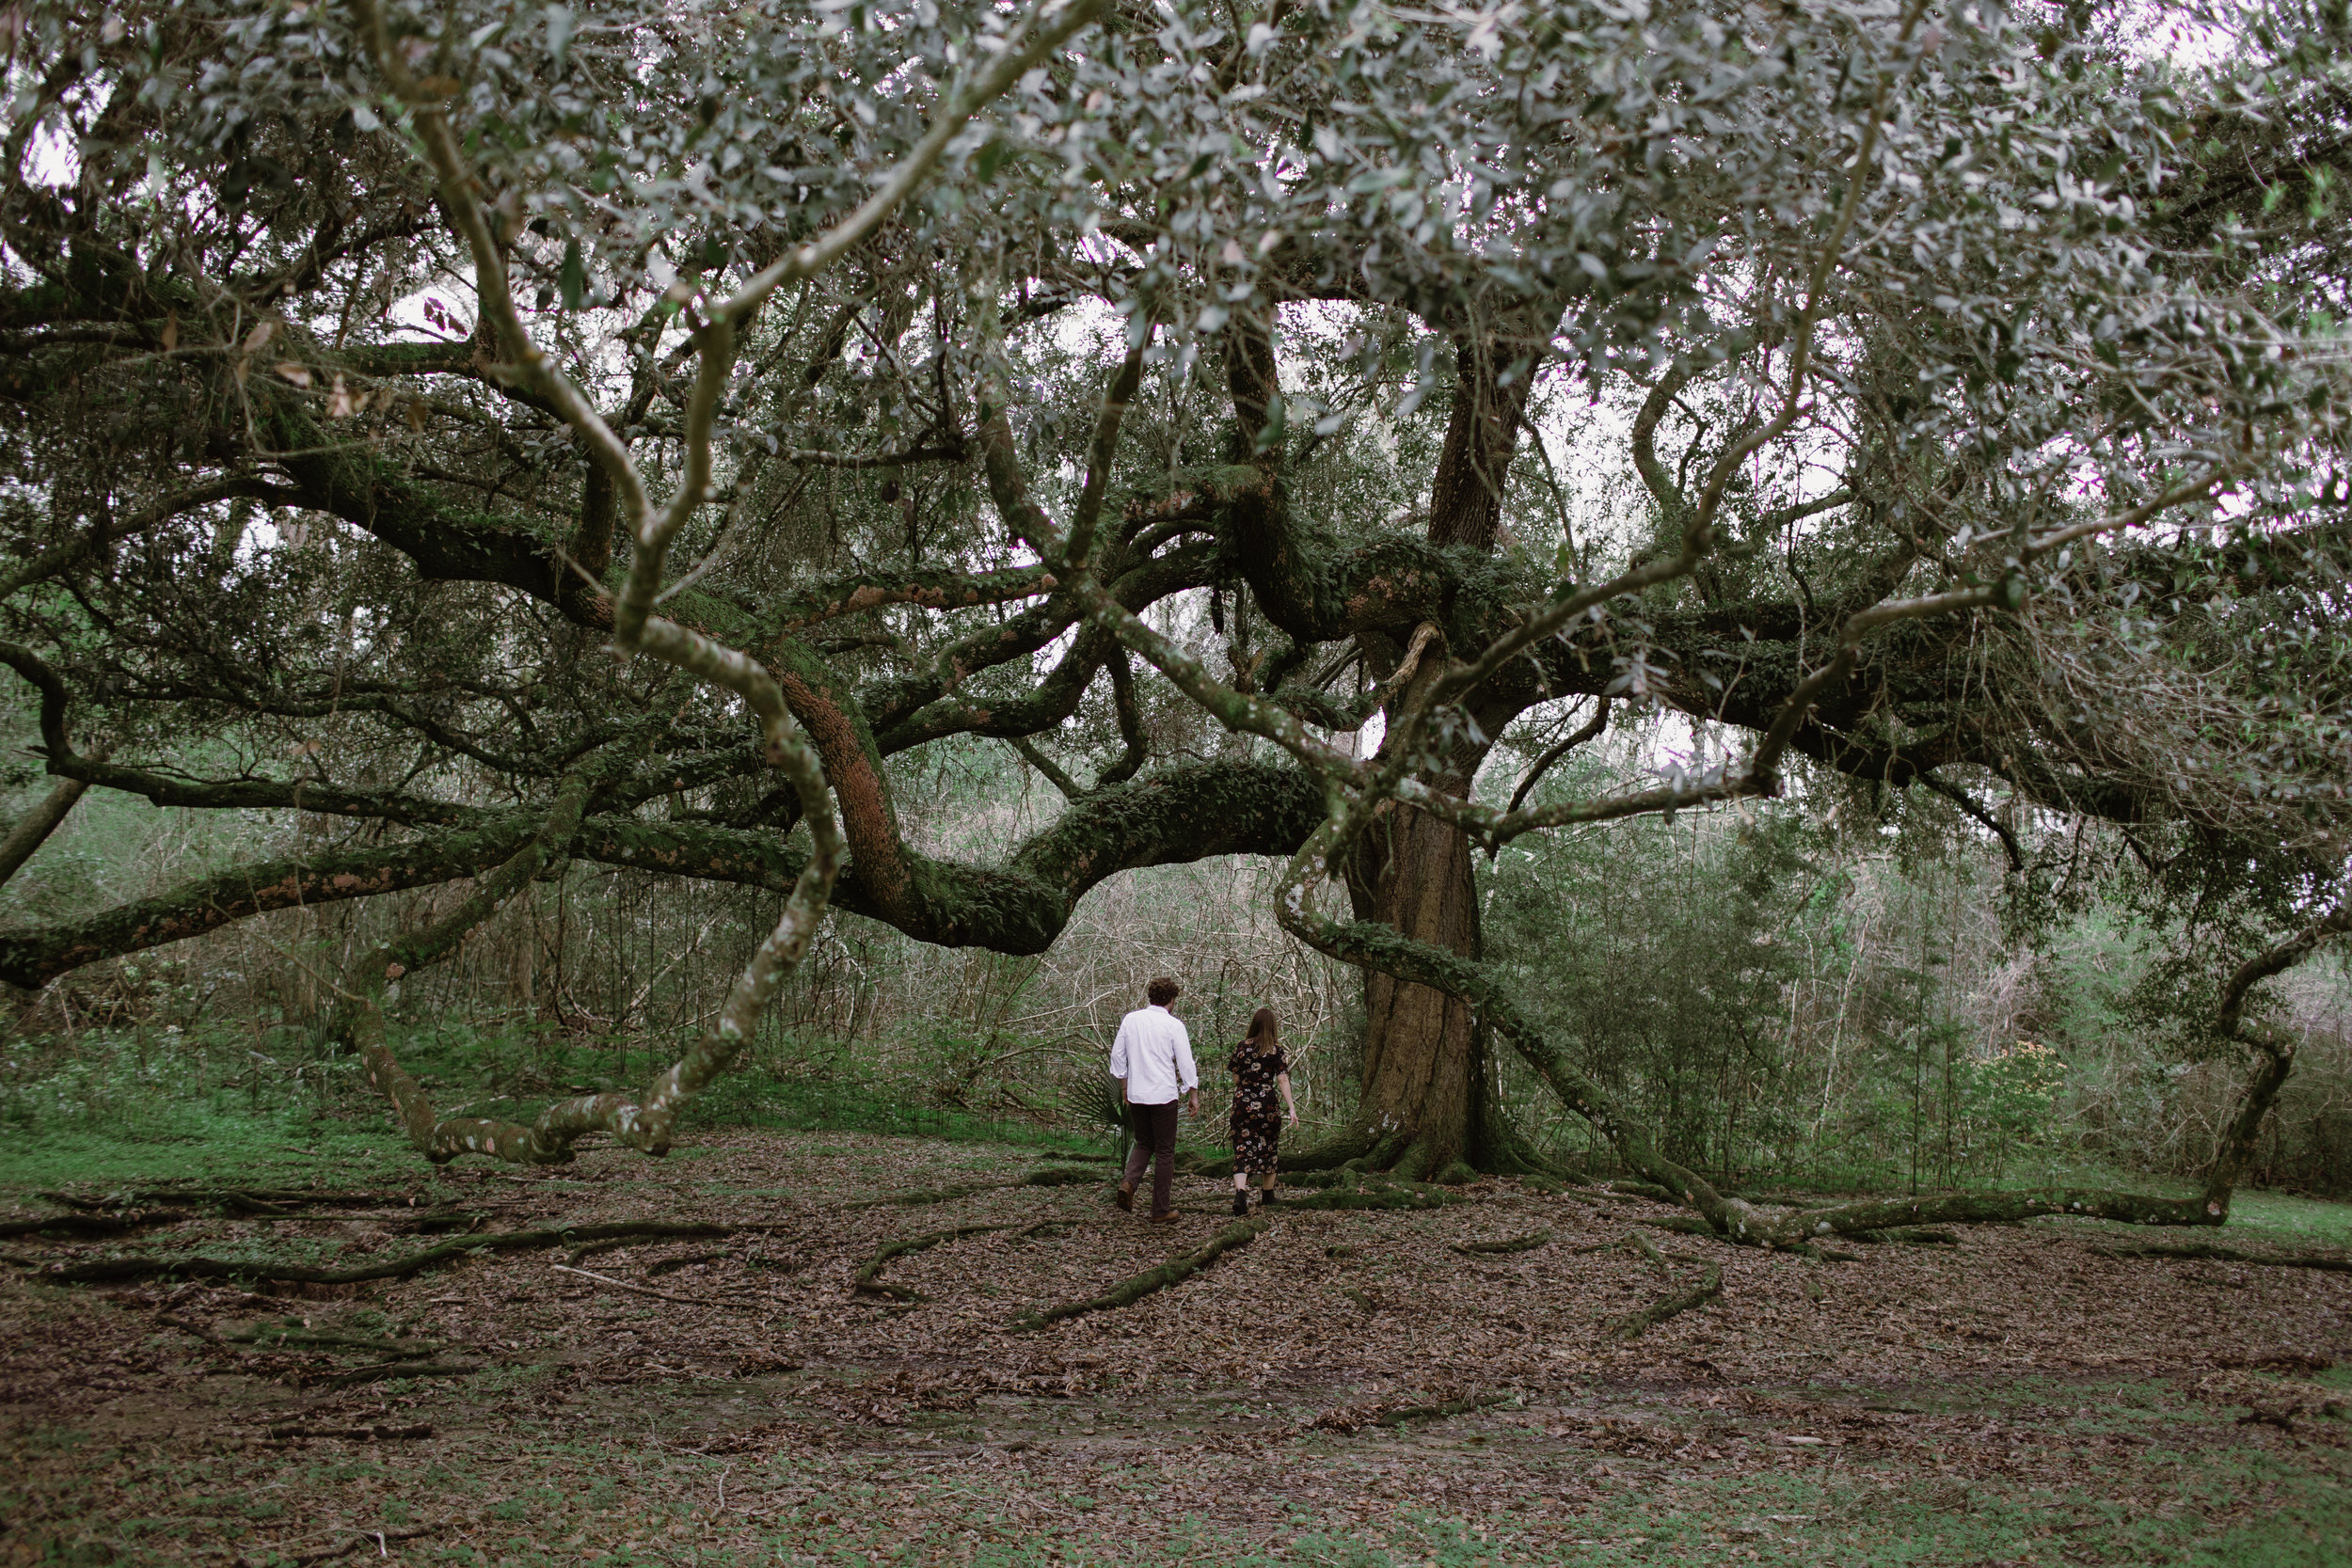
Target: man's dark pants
point(1155, 1128)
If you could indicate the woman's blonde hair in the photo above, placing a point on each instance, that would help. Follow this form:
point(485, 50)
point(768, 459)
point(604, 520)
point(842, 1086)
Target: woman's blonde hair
point(1264, 1033)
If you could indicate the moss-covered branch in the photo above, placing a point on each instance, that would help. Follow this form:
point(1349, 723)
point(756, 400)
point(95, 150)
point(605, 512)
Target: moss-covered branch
point(33, 955)
point(108, 1270)
point(869, 1282)
point(1528, 1243)
point(1633, 1325)
point(1136, 1287)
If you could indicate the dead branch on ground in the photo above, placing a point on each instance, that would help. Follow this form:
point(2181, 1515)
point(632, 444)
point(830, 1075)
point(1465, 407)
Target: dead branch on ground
point(1635, 1324)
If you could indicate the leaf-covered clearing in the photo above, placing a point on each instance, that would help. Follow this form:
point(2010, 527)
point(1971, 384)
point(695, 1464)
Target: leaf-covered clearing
point(1346, 1386)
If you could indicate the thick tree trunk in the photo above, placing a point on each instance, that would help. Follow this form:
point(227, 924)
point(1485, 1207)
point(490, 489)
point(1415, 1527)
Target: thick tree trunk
point(1427, 1102)
point(1422, 1072)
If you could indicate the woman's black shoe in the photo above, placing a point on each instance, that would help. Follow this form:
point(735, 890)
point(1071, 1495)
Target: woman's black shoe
point(1270, 1198)
point(1241, 1203)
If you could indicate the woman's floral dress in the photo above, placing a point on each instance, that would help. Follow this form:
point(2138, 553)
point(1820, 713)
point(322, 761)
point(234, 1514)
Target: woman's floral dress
point(1257, 1108)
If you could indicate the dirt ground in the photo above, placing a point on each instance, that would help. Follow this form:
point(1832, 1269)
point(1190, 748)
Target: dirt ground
point(1347, 1389)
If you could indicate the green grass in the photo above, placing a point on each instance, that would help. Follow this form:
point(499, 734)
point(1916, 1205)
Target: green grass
point(230, 1104)
point(2291, 1220)
point(225, 1146)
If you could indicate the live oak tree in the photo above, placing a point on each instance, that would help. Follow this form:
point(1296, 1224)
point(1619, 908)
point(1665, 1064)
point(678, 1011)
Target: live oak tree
point(632, 434)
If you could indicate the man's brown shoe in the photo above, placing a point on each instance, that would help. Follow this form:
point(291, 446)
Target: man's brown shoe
point(1168, 1218)
point(1125, 1197)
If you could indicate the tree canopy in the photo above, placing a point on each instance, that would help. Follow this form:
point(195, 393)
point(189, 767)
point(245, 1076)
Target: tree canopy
point(1166, 392)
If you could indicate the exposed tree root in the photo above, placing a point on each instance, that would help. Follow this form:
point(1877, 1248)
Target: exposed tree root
point(927, 1194)
point(387, 1371)
point(611, 1244)
point(1691, 1224)
point(239, 1200)
point(1907, 1235)
point(1650, 1190)
point(92, 1223)
point(1133, 1289)
point(1315, 1180)
point(1528, 1243)
point(1681, 1225)
point(1635, 1324)
point(661, 1266)
point(107, 1270)
point(1407, 1195)
point(360, 1538)
point(2333, 1262)
point(869, 1281)
point(1399, 1154)
point(1356, 1418)
point(1333, 1152)
point(278, 1337)
point(289, 1432)
point(1050, 1177)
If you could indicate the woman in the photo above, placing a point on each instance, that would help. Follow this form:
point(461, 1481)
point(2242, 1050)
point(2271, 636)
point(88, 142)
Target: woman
point(1260, 1071)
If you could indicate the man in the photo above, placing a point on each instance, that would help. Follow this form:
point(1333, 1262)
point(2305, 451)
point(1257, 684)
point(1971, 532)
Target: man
point(1151, 1058)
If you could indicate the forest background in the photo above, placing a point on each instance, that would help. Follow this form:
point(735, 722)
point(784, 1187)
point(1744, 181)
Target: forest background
point(1848, 990)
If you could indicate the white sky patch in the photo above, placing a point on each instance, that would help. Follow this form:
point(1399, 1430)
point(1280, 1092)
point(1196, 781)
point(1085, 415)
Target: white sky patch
point(51, 157)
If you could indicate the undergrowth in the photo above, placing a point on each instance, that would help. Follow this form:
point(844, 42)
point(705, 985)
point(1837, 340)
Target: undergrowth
point(262, 1100)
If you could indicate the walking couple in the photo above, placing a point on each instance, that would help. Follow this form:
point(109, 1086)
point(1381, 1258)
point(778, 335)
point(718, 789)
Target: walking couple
point(1152, 1061)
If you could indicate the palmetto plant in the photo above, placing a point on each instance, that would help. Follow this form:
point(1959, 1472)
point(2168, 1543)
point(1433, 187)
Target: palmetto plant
point(1097, 1099)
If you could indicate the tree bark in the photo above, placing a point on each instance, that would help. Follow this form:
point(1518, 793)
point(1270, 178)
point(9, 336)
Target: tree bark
point(33, 829)
point(1422, 1072)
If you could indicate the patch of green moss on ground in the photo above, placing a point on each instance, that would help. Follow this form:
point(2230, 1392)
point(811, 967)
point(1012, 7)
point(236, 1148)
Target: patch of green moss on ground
point(230, 1150)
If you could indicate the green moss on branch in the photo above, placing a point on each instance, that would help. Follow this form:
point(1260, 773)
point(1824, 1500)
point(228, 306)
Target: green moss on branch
point(1133, 1289)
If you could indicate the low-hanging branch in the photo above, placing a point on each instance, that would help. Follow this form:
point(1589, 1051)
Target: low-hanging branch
point(32, 957)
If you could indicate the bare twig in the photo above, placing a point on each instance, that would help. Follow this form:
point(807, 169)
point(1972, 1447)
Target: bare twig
point(647, 1289)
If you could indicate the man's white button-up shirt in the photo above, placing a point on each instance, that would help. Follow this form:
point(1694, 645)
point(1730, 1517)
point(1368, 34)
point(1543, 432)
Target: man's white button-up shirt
point(1153, 1053)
